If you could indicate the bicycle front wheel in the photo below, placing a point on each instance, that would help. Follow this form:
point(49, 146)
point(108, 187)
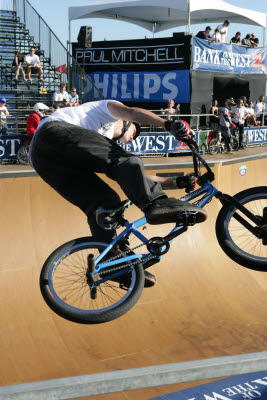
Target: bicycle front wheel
point(65, 288)
point(235, 239)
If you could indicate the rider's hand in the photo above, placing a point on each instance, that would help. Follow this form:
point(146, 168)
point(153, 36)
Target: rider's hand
point(187, 182)
point(233, 125)
point(179, 129)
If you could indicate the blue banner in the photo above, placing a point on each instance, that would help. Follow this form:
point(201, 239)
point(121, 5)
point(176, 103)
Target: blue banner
point(256, 136)
point(156, 143)
point(240, 387)
point(9, 146)
point(225, 57)
point(157, 86)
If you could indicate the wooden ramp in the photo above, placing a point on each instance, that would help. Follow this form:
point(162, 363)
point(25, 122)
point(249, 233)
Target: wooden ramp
point(203, 305)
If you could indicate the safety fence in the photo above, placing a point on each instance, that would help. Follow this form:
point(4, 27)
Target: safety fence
point(138, 378)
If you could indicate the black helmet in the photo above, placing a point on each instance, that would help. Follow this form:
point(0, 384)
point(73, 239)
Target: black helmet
point(126, 126)
point(230, 102)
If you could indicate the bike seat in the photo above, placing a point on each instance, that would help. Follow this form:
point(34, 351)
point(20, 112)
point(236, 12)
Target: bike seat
point(111, 218)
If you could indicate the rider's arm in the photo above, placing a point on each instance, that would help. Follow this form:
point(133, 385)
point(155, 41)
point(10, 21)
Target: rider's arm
point(140, 115)
point(187, 182)
point(166, 182)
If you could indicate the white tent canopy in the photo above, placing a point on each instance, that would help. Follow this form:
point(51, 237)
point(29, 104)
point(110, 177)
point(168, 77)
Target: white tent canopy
point(159, 15)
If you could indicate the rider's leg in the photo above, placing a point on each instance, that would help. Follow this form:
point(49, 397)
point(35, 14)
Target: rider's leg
point(85, 150)
point(226, 135)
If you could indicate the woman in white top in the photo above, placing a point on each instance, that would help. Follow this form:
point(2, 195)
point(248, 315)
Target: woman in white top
point(217, 37)
point(251, 118)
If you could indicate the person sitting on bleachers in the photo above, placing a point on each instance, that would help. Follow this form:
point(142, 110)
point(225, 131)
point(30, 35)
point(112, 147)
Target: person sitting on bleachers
point(3, 113)
point(61, 97)
point(33, 65)
point(74, 98)
point(17, 66)
point(34, 118)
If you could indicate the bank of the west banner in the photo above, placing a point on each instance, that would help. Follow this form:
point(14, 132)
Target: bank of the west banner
point(231, 58)
point(153, 86)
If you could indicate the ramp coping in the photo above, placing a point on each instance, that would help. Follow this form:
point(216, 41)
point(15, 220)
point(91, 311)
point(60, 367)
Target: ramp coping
point(137, 378)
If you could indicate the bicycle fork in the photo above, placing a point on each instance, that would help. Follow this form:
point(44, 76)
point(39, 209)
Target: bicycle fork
point(260, 230)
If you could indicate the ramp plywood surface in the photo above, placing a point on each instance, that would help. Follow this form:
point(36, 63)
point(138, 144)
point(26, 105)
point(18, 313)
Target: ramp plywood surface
point(204, 305)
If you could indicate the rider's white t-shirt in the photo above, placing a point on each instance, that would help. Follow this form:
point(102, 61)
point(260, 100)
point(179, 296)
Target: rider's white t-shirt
point(94, 116)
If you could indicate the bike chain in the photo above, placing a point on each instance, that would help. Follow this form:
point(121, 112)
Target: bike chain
point(115, 269)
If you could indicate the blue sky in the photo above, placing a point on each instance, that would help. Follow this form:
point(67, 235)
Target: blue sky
point(55, 13)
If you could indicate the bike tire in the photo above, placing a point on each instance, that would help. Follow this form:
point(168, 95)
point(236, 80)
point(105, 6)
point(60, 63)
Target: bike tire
point(236, 240)
point(22, 155)
point(214, 146)
point(234, 144)
point(63, 279)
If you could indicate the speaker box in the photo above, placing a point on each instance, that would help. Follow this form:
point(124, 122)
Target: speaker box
point(85, 36)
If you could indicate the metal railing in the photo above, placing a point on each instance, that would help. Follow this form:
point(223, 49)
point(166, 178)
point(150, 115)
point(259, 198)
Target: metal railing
point(54, 51)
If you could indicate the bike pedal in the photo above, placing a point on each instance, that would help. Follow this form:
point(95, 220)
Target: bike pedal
point(188, 217)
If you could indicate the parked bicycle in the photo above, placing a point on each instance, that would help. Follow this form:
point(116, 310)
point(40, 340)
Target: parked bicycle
point(218, 145)
point(90, 282)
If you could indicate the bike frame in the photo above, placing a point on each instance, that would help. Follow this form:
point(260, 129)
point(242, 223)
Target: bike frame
point(207, 191)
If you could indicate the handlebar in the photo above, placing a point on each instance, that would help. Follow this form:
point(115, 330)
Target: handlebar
point(197, 159)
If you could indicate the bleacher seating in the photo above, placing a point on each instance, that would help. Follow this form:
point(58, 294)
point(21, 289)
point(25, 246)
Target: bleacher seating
point(21, 96)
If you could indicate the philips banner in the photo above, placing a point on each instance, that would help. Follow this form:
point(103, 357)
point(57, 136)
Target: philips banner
point(231, 58)
point(157, 86)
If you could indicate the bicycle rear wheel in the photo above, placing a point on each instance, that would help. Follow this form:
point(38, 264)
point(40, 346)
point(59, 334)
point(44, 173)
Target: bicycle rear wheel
point(64, 285)
point(214, 146)
point(235, 239)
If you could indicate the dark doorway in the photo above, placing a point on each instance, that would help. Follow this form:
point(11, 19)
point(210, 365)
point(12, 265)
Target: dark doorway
point(225, 87)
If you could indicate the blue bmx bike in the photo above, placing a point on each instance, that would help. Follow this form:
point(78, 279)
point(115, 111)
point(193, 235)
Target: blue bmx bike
point(90, 282)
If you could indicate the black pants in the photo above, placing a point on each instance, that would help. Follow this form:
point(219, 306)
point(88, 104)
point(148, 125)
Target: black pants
point(241, 133)
point(68, 157)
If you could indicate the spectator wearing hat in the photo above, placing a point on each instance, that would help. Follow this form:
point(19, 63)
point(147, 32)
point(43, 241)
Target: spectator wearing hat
point(246, 41)
point(254, 41)
point(236, 39)
point(223, 30)
point(204, 34)
point(4, 114)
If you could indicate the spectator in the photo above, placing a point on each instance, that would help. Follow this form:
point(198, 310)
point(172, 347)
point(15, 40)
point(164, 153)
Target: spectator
point(33, 65)
point(74, 98)
point(4, 114)
point(214, 119)
point(239, 117)
point(223, 30)
point(170, 110)
point(217, 37)
point(17, 66)
point(251, 119)
point(225, 123)
point(236, 39)
point(246, 41)
point(34, 118)
point(61, 97)
point(204, 34)
point(254, 41)
point(259, 108)
point(245, 103)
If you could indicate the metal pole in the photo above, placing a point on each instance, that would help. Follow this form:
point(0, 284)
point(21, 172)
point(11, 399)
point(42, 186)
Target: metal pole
point(24, 10)
point(264, 38)
point(15, 6)
point(70, 49)
point(189, 22)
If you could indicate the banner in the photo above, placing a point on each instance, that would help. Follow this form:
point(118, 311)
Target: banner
point(135, 55)
point(158, 86)
point(156, 143)
point(231, 58)
point(240, 387)
point(9, 146)
point(256, 136)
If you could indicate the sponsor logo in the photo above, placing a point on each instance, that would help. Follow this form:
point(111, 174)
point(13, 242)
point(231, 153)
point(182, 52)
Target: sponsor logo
point(243, 170)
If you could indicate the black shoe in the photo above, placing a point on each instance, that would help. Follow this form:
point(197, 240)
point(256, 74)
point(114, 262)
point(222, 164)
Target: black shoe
point(125, 280)
point(167, 210)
